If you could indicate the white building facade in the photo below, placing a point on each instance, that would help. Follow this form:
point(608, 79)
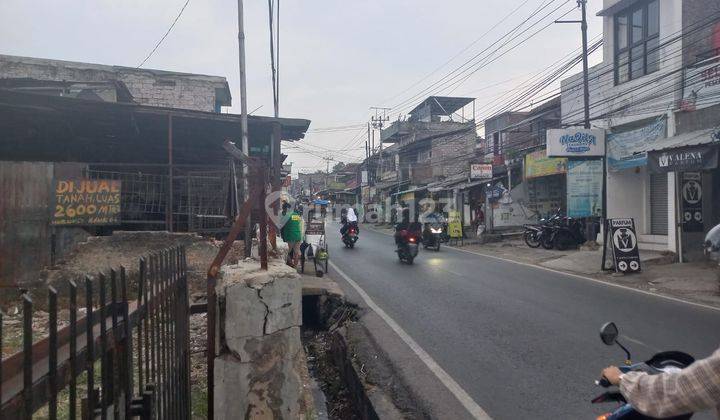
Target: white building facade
point(651, 48)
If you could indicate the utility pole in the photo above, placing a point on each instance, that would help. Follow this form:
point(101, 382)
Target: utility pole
point(586, 108)
point(378, 121)
point(244, 120)
point(327, 160)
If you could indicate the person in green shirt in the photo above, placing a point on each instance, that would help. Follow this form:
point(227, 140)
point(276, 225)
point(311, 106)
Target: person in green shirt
point(292, 232)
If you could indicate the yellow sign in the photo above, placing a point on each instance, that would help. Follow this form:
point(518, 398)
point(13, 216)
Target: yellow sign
point(537, 164)
point(454, 224)
point(87, 202)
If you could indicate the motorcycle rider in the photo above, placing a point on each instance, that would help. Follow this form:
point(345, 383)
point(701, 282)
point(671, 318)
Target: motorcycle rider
point(404, 224)
point(693, 389)
point(349, 219)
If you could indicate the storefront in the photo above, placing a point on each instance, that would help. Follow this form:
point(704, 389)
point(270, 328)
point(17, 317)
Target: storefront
point(546, 183)
point(632, 191)
point(690, 161)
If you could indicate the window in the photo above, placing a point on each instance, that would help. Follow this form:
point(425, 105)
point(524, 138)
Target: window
point(636, 41)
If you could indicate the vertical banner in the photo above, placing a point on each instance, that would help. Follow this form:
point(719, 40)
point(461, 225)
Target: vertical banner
point(454, 224)
point(624, 245)
point(584, 188)
point(692, 212)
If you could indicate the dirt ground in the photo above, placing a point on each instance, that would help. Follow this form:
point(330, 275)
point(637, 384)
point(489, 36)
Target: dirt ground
point(101, 253)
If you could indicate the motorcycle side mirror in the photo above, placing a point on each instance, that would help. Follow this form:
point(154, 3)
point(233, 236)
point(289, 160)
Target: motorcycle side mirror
point(609, 333)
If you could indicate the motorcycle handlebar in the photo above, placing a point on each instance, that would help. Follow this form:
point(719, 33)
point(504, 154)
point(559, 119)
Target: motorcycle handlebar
point(603, 382)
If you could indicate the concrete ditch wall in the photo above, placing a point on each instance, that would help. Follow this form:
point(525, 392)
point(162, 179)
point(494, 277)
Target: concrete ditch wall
point(259, 350)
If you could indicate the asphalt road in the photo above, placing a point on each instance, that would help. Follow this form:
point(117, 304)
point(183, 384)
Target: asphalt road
point(521, 341)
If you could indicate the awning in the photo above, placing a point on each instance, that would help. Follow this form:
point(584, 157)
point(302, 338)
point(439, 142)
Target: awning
point(693, 138)
point(411, 190)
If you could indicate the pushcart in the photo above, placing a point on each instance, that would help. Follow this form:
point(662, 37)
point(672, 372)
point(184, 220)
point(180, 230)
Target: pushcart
point(315, 248)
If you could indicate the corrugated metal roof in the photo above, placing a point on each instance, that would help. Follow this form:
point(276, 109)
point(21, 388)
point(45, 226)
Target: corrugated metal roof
point(693, 138)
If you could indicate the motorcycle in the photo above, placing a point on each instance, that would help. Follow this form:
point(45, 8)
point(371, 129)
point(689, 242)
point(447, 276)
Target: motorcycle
point(432, 236)
point(663, 362)
point(407, 245)
point(350, 236)
point(567, 233)
point(542, 233)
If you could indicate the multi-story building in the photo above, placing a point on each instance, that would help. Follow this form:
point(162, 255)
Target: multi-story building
point(656, 93)
point(514, 141)
point(436, 143)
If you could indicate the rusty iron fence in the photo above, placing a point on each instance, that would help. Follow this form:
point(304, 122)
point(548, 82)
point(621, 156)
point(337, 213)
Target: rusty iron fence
point(124, 352)
point(199, 198)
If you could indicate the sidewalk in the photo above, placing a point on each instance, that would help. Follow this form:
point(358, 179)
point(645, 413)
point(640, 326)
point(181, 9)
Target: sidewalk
point(697, 281)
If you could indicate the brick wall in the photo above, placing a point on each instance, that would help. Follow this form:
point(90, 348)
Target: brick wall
point(451, 154)
point(148, 87)
point(697, 36)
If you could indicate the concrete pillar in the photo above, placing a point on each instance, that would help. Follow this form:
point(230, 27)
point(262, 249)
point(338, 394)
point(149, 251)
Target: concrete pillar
point(256, 364)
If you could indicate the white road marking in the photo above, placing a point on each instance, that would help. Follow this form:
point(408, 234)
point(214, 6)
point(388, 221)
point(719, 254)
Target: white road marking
point(632, 340)
point(606, 283)
point(470, 405)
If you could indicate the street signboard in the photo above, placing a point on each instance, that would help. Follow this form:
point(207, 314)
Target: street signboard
point(537, 164)
point(454, 224)
point(315, 227)
point(692, 211)
point(363, 178)
point(626, 254)
point(481, 171)
point(575, 142)
point(584, 188)
point(84, 202)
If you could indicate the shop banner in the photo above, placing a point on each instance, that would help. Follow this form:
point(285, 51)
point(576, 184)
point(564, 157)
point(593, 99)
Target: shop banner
point(82, 202)
point(537, 164)
point(692, 210)
point(584, 188)
point(624, 245)
point(481, 171)
point(693, 158)
point(577, 142)
point(629, 149)
point(701, 87)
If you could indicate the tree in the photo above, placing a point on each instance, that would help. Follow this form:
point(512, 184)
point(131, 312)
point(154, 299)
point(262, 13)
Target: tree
point(338, 167)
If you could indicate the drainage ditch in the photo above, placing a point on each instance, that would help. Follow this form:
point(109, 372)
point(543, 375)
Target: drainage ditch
point(338, 392)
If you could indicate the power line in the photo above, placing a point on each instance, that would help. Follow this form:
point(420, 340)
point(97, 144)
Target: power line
point(459, 53)
point(166, 34)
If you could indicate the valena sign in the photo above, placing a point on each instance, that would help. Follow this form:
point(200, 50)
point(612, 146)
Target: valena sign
point(575, 142)
point(481, 171)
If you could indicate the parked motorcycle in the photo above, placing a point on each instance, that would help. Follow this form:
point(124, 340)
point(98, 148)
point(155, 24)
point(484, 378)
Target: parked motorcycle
point(567, 234)
point(407, 245)
point(350, 237)
point(664, 362)
point(432, 236)
point(542, 232)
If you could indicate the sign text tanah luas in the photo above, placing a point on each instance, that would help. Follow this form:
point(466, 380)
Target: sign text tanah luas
point(87, 202)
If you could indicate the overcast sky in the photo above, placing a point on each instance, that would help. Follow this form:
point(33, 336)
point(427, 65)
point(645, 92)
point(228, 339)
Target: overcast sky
point(338, 57)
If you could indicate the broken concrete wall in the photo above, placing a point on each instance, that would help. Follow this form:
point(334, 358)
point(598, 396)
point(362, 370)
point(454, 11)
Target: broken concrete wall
point(258, 342)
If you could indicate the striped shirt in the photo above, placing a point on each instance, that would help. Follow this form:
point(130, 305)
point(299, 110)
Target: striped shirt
point(693, 389)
